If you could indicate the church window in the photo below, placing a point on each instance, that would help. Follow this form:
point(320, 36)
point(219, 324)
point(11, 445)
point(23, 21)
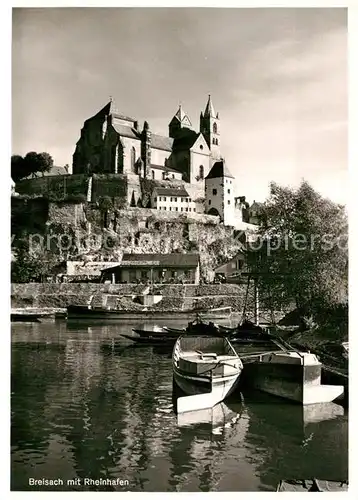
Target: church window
point(133, 159)
point(215, 192)
point(153, 174)
point(215, 128)
point(209, 202)
point(201, 172)
point(201, 146)
point(214, 141)
point(155, 199)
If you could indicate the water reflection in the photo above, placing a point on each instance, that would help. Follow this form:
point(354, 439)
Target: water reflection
point(79, 410)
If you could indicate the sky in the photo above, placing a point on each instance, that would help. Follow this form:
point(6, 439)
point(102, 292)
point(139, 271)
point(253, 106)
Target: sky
point(277, 77)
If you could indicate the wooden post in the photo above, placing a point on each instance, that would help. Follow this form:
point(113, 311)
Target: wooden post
point(256, 295)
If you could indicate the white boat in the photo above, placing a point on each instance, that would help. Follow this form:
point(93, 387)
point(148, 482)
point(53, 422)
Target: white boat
point(206, 369)
point(292, 375)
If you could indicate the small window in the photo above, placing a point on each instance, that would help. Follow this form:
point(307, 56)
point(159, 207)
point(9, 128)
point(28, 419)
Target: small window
point(176, 209)
point(201, 146)
point(209, 202)
point(213, 141)
point(160, 208)
point(153, 174)
point(173, 176)
point(228, 202)
point(186, 209)
point(189, 200)
point(171, 199)
point(163, 176)
point(201, 172)
point(194, 209)
point(175, 199)
point(215, 192)
point(164, 198)
point(228, 191)
point(170, 209)
point(160, 198)
point(181, 209)
point(164, 208)
point(189, 209)
point(215, 128)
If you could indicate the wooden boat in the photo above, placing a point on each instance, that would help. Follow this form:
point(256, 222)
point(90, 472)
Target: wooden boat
point(89, 312)
point(151, 341)
point(312, 485)
point(206, 369)
point(292, 375)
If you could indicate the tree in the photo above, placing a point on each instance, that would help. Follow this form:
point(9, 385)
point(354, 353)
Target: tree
point(301, 253)
point(31, 164)
point(17, 168)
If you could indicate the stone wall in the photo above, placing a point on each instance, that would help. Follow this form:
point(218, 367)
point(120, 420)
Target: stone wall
point(175, 297)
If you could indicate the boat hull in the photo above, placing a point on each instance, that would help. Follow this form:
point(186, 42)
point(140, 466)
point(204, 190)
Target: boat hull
point(297, 382)
point(83, 312)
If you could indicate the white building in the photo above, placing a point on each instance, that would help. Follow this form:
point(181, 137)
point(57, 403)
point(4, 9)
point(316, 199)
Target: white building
point(219, 193)
point(172, 200)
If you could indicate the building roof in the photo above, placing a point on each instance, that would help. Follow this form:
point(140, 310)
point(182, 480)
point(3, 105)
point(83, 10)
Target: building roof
point(162, 142)
point(111, 109)
point(218, 170)
point(178, 260)
point(186, 141)
point(163, 191)
point(125, 131)
point(165, 167)
point(209, 110)
point(55, 170)
point(181, 115)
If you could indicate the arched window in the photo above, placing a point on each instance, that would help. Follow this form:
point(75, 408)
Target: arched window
point(215, 128)
point(133, 159)
point(201, 172)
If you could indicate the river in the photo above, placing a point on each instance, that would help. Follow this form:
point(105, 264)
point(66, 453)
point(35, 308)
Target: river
point(82, 411)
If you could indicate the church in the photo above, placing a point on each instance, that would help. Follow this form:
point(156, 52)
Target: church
point(113, 143)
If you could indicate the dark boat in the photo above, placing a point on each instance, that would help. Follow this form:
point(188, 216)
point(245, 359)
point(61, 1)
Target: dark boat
point(89, 312)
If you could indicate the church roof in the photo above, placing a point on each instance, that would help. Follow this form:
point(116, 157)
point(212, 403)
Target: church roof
point(218, 170)
point(125, 131)
point(181, 116)
point(209, 110)
point(162, 142)
point(185, 141)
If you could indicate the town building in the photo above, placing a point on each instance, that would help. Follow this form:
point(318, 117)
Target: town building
point(172, 200)
point(232, 269)
point(154, 268)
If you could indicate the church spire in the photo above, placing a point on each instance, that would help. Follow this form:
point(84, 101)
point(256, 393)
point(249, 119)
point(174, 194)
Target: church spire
point(179, 121)
point(209, 110)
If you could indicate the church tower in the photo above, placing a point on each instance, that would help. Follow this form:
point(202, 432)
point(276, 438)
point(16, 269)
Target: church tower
point(210, 128)
point(179, 122)
point(219, 193)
